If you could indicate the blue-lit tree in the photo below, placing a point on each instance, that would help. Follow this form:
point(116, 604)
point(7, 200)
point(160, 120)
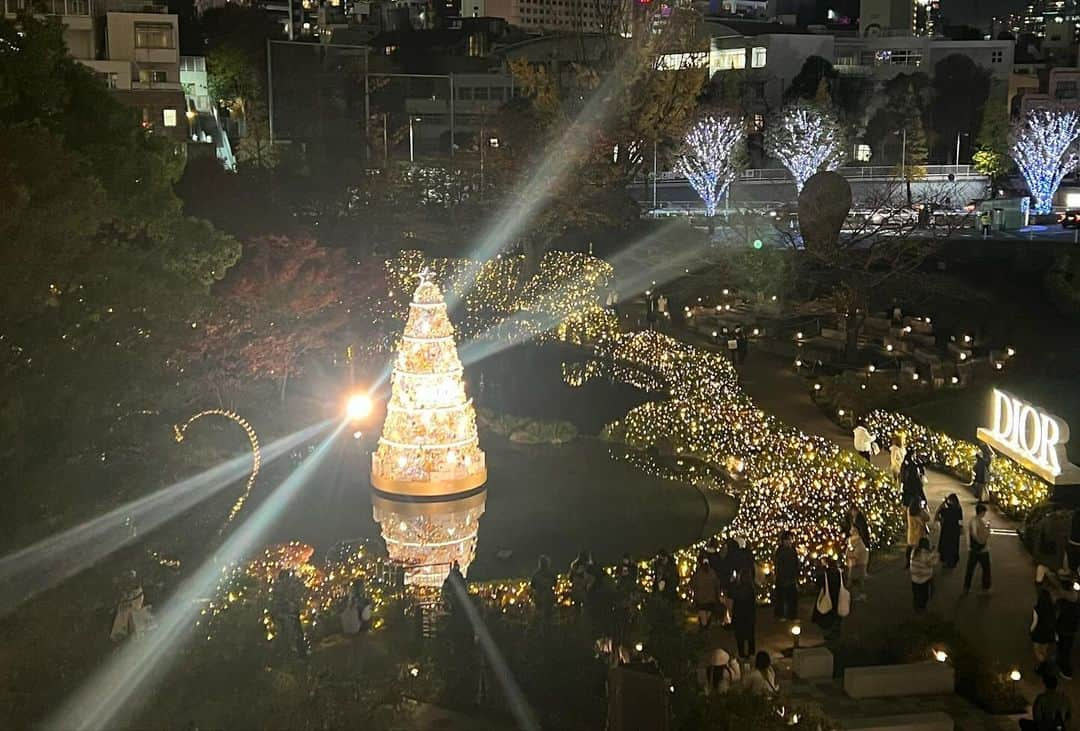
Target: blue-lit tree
point(711, 158)
point(806, 139)
point(1044, 148)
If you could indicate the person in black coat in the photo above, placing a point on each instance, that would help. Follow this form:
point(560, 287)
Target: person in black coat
point(786, 569)
point(1068, 622)
point(744, 616)
point(1043, 629)
point(666, 576)
point(951, 517)
point(828, 574)
point(912, 479)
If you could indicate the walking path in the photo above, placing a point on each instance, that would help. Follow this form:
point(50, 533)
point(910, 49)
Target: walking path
point(997, 623)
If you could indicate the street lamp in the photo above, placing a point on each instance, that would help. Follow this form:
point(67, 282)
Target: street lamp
point(418, 119)
point(958, 136)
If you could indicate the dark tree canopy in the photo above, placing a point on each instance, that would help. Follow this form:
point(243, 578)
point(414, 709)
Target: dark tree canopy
point(960, 88)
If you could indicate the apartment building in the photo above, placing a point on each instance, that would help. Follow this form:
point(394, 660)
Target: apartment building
point(133, 45)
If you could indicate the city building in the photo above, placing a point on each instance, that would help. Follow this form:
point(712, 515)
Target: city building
point(884, 57)
point(133, 45)
point(1062, 91)
point(771, 54)
point(601, 16)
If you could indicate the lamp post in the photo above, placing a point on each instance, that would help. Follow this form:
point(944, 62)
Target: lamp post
point(411, 158)
point(957, 158)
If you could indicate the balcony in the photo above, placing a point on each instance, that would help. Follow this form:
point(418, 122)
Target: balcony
point(136, 6)
point(64, 8)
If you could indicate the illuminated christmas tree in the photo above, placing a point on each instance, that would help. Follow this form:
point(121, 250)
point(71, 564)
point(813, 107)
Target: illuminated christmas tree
point(429, 445)
point(428, 537)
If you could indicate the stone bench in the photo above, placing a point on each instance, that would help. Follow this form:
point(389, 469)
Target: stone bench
point(935, 721)
point(812, 662)
point(881, 681)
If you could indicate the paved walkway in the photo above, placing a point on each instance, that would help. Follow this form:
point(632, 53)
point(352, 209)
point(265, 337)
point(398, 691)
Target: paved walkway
point(996, 623)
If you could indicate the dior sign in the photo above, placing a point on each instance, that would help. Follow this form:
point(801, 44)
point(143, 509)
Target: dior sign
point(1029, 435)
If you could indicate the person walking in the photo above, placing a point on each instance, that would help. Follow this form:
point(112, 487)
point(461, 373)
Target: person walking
point(923, 563)
point(858, 551)
point(1052, 709)
point(912, 479)
point(1073, 551)
point(1043, 633)
point(950, 516)
point(542, 584)
point(762, 679)
point(978, 533)
point(865, 444)
point(744, 616)
point(706, 589)
point(665, 576)
point(918, 523)
point(897, 456)
point(742, 344)
point(285, 610)
point(985, 221)
point(825, 614)
point(786, 568)
point(980, 473)
point(1068, 621)
point(581, 578)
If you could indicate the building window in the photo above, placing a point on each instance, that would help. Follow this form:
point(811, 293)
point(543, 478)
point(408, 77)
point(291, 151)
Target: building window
point(168, 117)
point(464, 93)
point(757, 58)
point(757, 122)
point(481, 93)
point(153, 76)
point(732, 58)
point(996, 56)
point(110, 79)
point(862, 153)
point(153, 35)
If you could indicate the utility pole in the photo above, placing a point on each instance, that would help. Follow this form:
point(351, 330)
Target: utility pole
point(451, 115)
point(483, 144)
point(385, 141)
point(410, 139)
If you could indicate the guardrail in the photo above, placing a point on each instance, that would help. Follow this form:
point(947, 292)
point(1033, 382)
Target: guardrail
point(865, 171)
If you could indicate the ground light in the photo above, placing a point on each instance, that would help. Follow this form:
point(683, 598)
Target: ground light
point(941, 655)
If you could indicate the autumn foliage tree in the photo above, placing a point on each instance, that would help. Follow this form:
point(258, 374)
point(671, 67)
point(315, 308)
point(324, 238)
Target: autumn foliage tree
point(287, 300)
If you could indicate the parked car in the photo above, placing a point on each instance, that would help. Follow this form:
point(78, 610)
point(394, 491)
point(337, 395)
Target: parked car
point(1070, 218)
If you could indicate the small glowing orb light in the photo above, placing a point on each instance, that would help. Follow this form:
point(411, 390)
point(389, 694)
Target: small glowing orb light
point(796, 630)
point(940, 655)
point(639, 646)
point(1015, 676)
point(358, 407)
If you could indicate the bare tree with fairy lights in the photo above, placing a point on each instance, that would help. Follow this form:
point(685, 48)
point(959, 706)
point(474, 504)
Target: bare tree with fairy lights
point(1044, 148)
point(711, 159)
point(806, 139)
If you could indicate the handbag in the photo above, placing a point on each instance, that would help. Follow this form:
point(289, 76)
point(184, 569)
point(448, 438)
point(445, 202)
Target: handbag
point(843, 600)
point(824, 601)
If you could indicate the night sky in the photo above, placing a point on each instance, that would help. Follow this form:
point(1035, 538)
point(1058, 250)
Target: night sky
point(978, 12)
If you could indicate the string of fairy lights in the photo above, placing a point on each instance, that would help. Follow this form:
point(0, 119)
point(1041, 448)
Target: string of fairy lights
point(180, 431)
point(1013, 489)
point(702, 428)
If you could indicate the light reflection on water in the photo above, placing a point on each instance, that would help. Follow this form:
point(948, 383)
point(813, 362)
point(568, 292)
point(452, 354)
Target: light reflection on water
point(428, 537)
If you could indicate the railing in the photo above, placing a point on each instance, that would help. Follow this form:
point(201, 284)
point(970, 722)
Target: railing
point(48, 7)
point(865, 171)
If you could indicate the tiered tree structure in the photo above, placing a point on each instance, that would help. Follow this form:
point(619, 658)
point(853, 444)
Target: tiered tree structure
point(428, 537)
point(429, 445)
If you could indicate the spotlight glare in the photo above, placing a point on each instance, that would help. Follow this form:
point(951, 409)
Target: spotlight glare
point(358, 407)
